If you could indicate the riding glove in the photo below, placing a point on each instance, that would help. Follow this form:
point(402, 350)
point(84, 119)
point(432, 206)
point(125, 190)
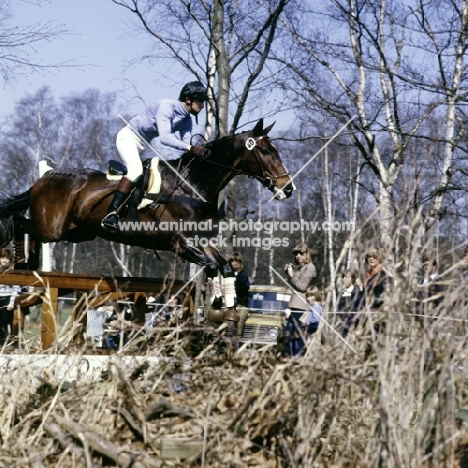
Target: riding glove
point(198, 151)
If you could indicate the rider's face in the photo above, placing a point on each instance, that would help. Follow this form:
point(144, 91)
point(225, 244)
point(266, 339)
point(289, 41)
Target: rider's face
point(195, 106)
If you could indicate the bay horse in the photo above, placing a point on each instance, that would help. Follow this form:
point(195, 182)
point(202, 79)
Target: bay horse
point(69, 204)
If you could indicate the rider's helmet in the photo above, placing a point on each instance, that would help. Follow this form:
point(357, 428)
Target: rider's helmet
point(193, 90)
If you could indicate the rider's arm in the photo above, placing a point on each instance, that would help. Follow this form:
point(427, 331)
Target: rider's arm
point(166, 118)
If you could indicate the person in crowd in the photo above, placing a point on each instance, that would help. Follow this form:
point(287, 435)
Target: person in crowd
point(376, 285)
point(311, 319)
point(8, 294)
point(242, 286)
point(348, 297)
point(118, 326)
point(430, 294)
point(174, 310)
point(300, 274)
point(165, 119)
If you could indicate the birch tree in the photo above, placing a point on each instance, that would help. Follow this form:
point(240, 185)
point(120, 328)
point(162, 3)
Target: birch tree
point(397, 66)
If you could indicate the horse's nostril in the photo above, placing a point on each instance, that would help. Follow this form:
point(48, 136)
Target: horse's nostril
point(288, 191)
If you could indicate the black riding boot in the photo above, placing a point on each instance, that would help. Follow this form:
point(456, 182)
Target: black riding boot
point(111, 221)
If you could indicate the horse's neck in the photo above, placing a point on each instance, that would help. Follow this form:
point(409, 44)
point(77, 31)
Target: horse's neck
point(207, 178)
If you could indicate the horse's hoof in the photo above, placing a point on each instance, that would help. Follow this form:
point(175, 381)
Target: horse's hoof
point(216, 315)
point(232, 314)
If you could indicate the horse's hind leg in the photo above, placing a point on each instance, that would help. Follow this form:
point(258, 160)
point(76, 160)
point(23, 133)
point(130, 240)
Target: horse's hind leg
point(34, 254)
point(19, 248)
point(24, 226)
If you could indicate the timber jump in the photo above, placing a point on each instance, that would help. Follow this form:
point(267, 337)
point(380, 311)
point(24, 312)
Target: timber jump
point(92, 291)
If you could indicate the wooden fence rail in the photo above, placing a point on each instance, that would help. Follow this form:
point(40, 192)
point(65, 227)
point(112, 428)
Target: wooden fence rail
point(93, 291)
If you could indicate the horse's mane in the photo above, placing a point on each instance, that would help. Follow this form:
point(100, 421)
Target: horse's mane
point(222, 141)
point(217, 145)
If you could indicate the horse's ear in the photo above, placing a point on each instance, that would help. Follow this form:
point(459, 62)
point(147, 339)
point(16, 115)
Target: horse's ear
point(258, 129)
point(267, 130)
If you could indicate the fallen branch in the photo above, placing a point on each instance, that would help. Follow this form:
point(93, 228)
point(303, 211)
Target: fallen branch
point(240, 414)
point(64, 440)
point(128, 418)
point(165, 409)
point(97, 443)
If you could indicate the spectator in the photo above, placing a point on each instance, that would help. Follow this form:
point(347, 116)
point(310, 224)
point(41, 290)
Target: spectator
point(311, 319)
point(300, 275)
point(8, 294)
point(348, 297)
point(242, 286)
point(376, 285)
point(461, 298)
point(430, 293)
point(174, 309)
point(464, 267)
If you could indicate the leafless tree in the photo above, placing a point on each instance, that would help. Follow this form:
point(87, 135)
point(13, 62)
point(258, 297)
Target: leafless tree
point(226, 44)
point(397, 67)
point(17, 45)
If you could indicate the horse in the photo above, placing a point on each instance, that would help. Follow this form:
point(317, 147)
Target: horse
point(69, 204)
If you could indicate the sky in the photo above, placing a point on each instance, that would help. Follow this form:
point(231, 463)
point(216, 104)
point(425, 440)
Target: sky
point(100, 45)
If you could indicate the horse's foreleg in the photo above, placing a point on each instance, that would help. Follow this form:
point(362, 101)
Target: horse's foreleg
point(212, 260)
point(34, 254)
point(228, 274)
point(195, 255)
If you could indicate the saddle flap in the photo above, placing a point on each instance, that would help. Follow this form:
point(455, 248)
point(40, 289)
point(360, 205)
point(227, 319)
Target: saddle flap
point(116, 168)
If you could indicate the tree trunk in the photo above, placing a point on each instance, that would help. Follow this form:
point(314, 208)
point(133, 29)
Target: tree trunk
point(327, 200)
point(222, 65)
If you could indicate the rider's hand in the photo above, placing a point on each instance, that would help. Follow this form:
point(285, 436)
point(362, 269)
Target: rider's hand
point(198, 151)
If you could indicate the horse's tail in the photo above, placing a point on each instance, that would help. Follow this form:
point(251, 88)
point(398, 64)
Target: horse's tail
point(9, 207)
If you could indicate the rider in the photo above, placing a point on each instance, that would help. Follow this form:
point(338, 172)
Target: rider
point(162, 119)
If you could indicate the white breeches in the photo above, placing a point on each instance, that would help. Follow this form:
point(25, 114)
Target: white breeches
point(130, 146)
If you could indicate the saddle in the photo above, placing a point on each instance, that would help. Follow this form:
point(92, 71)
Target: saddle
point(147, 186)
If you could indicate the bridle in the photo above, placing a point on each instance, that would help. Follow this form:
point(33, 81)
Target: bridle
point(252, 145)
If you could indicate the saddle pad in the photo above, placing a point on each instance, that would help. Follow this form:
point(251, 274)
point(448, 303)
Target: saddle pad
point(154, 183)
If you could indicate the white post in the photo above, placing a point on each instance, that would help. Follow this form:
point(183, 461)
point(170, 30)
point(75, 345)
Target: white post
point(46, 263)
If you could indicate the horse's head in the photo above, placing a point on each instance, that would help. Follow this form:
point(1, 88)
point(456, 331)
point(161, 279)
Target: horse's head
point(261, 160)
